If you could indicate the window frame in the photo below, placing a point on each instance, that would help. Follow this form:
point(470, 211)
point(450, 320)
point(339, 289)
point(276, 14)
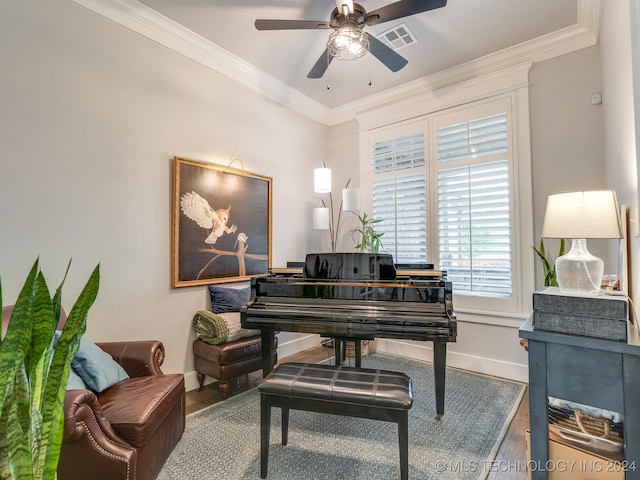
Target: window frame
point(398, 131)
point(511, 85)
point(465, 113)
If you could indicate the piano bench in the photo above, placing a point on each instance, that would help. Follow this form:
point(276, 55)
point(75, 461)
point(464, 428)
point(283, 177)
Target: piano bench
point(228, 360)
point(355, 392)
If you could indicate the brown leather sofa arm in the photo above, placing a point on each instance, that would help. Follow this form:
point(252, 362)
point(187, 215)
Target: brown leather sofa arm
point(82, 415)
point(89, 438)
point(139, 358)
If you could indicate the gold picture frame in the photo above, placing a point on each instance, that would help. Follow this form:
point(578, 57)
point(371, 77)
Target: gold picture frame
point(221, 224)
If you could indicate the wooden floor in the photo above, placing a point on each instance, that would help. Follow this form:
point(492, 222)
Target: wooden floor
point(510, 460)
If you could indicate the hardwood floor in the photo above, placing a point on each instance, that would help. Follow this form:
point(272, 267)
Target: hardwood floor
point(510, 460)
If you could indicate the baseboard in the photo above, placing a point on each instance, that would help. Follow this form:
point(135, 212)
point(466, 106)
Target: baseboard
point(415, 350)
point(191, 381)
point(296, 345)
point(424, 351)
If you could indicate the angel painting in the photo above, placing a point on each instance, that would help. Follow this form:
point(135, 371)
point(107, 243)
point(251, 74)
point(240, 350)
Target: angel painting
point(212, 243)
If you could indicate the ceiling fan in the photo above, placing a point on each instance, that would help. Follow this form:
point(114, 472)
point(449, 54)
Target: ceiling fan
point(348, 41)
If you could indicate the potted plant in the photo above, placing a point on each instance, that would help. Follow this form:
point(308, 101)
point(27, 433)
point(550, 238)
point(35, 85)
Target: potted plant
point(369, 238)
point(548, 266)
point(34, 376)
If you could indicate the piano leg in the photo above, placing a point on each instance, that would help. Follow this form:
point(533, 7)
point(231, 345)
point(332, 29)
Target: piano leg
point(358, 352)
point(440, 368)
point(267, 338)
point(339, 350)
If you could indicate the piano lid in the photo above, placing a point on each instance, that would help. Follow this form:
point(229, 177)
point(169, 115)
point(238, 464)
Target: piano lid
point(350, 266)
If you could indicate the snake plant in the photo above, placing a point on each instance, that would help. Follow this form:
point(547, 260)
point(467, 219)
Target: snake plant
point(34, 376)
point(548, 266)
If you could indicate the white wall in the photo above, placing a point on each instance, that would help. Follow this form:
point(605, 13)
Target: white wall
point(567, 134)
point(618, 104)
point(91, 116)
point(344, 160)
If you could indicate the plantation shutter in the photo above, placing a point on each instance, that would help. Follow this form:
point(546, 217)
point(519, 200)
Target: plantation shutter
point(474, 223)
point(399, 193)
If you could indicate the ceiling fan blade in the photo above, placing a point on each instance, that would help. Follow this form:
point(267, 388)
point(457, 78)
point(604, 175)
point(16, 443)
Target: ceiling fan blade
point(341, 4)
point(262, 24)
point(386, 55)
point(317, 71)
point(400, 9)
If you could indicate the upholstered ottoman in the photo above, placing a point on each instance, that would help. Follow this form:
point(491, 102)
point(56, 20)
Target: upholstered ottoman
point(356, 392)
point(228, 360)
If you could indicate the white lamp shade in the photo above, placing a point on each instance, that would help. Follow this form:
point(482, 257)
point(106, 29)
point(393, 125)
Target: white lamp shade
point(591, 214)
point(350, 199)
point(321, 218)
point(322, 180)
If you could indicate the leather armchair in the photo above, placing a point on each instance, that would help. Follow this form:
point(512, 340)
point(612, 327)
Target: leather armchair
point(129, 430)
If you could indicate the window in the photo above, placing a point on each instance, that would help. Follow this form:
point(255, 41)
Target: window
point(399, 196)
point(474, 239)
point(442, 186)
point(473, 222)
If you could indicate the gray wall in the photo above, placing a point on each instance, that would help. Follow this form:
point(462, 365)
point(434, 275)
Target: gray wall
point(567, 137)
point(344, 159)
point(618, 104)
point(91, 116)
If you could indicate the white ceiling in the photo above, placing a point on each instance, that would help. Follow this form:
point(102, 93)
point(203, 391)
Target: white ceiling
point(460, 32)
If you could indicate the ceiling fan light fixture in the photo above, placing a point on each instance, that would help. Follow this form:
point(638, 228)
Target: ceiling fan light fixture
point(348, 42)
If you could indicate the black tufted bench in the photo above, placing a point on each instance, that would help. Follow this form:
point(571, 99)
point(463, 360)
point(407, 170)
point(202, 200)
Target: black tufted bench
point(355, 392)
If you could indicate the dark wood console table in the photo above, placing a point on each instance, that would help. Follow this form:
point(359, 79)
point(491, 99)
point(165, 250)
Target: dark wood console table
point(591, 371)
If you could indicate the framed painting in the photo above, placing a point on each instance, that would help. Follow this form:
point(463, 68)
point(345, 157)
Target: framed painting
point(221, 224)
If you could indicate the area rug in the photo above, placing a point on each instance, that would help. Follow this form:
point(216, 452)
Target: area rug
point(223, 441)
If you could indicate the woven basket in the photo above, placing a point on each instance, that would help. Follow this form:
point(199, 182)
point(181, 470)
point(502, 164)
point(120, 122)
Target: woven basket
point(350, 348)
point(581, 422)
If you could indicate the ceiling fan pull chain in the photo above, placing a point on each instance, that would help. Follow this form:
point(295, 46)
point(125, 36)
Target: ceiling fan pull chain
point(328, 61)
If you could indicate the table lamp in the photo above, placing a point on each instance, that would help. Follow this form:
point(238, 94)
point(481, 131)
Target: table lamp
point(579, 216)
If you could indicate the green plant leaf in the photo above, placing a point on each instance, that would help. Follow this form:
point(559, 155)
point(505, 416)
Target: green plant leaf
point(34, 377)
point(369, 239)
point(548, 266)
point(19, 464)
point(38, 357)
point(545, 263)
point(56, 381)
point(20, 399)
point(18, 337)
point(562, 247)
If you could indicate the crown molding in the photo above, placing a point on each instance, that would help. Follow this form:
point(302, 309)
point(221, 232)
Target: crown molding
point(491, 84)
point(147, 22)
point(581, 35)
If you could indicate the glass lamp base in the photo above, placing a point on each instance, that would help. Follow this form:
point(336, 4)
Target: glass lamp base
point(579, 271)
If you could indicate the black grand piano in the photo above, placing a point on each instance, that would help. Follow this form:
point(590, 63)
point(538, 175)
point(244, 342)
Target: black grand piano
point(355, 297)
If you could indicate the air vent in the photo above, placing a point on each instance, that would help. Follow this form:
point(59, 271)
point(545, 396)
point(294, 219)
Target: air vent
point(398, 37)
